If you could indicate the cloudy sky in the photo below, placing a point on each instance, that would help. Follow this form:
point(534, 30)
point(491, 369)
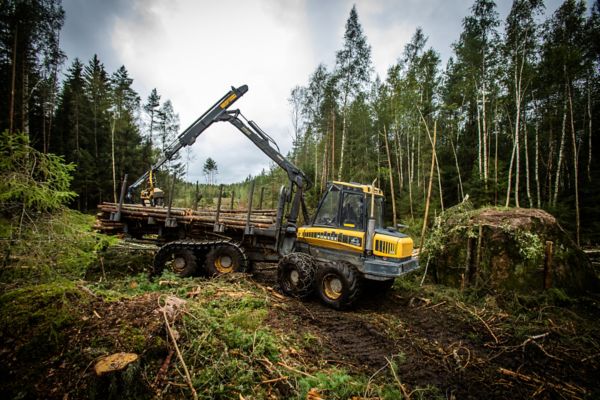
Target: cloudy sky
point(193, 51)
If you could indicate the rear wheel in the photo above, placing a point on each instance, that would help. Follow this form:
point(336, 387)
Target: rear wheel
point(295, 275)
point(338, 284)
point(179, 260)
point(225, 259)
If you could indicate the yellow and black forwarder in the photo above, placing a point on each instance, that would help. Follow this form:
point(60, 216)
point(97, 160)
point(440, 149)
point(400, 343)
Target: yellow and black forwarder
point(345, 245)
point(338, 250)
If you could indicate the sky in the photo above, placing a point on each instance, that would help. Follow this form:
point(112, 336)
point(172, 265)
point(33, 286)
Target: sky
point(193, 51)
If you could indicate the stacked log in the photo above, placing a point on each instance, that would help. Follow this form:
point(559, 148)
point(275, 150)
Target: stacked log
point(234, 219)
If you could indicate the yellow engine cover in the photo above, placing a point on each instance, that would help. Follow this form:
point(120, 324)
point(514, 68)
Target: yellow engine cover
point(391, 246)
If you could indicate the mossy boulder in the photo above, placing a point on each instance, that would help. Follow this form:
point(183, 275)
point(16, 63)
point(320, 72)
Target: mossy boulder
point(506, 249)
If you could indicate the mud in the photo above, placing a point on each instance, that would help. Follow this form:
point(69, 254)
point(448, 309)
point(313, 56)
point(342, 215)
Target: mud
point(439, 344)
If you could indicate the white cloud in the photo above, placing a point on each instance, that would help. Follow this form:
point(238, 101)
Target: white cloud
point(193, 52)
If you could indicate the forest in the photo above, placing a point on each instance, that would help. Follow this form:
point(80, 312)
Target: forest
point(509, 122)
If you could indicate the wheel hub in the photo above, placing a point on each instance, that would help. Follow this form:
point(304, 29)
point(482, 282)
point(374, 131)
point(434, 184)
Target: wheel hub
point(178, 264)
point(332, 286)
point(294, 277)
point(224, 264)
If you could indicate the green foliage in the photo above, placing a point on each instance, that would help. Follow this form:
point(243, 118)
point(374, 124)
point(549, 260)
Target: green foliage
point(53, 247)
point(458, 218)
point(30, 180)
point(530, 245)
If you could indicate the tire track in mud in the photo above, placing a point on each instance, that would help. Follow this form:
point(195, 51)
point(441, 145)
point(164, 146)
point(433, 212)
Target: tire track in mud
point(348, 336)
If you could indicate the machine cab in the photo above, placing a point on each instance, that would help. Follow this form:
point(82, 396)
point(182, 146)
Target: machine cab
point(341, 219)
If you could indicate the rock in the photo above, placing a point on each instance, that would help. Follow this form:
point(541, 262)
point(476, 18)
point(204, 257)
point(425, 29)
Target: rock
point(506, 249)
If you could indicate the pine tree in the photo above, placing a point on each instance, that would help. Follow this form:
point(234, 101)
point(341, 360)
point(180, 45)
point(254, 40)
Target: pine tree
point(353, 71)
point(124, 131)
point(30, 58)
point(167, 126)
point(210, 170)
point(72, 137)
point(151, 108)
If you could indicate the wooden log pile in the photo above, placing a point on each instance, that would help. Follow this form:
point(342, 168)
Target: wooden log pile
point(234, 219)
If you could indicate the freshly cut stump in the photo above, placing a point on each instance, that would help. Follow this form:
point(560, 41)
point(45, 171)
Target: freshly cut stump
point(114, 362)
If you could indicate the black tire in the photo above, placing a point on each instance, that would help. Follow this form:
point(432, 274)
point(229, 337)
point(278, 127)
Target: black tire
point(225, 259)
point(338, 284)
point(378, 288)
point(296, 275)
point(179, 260)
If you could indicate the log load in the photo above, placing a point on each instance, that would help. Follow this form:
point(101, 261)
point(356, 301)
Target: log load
point(232, 219)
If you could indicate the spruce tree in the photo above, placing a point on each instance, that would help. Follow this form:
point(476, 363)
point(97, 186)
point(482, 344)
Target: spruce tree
point(353, 70)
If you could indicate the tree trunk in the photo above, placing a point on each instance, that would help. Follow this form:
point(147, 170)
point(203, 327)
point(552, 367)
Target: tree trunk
point(431, 170)
point(575, 164)
point(589, 111)
point(342, 147)
point(411, 169)
point(399, 161)
point(114, 173)
point(460, 185)
point(527, 175)
point(517, 135)
point(510, 168)
point(391, 175)
point(496, 157)
point(561, 152)
point(484, 132)
point(11, 112)
point(537, 166)
point(332, 144)
point(479, 164)
point(25, 99)
point(316, 157)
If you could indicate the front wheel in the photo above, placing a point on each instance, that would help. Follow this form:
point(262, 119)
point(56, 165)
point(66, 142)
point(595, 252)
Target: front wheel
point(295, 275)
point(338, 284)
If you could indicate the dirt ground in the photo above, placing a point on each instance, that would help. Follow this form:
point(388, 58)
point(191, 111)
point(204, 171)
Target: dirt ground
point(463, 351)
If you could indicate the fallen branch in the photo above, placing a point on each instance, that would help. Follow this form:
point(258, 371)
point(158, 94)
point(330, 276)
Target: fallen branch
point(281, 364)
point(480, 319)
point(164, 367)
point(572, 390)
point(405, 394)
point(188, 378)
point(282, 378)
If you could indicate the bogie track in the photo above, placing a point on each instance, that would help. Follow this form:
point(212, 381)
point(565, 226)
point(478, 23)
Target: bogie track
point(189, 257)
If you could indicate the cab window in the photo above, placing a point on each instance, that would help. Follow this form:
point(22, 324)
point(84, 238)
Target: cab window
point(328, 212)
point(352, 211)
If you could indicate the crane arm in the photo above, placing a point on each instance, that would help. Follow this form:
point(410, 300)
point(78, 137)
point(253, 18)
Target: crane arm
point(263, 141)
point(189, 136)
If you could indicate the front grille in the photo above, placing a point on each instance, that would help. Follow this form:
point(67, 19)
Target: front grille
point(385, 247)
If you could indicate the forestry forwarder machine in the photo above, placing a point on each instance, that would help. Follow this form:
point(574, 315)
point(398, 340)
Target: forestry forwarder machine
point(342, 248)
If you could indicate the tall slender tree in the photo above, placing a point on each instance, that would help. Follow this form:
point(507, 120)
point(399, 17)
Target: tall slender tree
point(353, 69)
